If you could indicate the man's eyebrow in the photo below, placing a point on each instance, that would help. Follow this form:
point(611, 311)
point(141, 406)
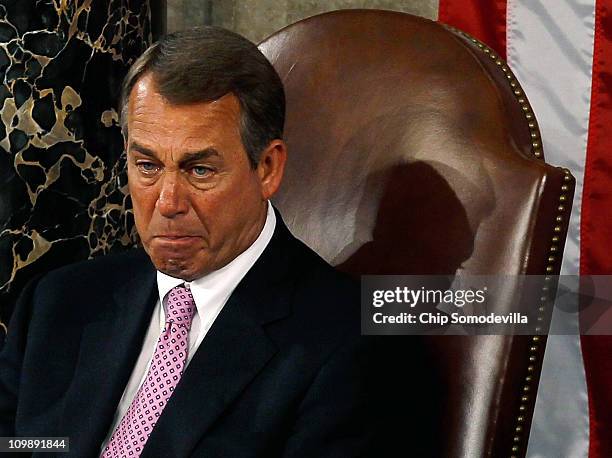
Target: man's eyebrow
point(206, 153)
point(133, 146)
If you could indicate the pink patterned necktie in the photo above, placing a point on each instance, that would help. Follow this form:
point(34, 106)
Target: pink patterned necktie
point(165, 371)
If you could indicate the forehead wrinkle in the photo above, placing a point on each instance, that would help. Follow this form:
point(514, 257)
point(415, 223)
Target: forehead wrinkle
point(193, 127)
point(145, 95)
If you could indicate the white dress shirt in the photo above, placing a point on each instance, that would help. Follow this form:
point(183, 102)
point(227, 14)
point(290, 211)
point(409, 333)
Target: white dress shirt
point(210, 294)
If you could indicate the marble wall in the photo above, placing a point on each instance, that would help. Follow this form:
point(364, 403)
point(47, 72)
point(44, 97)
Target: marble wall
point(62, 186)
point(256, 19)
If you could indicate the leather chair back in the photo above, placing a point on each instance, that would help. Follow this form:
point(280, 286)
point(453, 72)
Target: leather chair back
point(413, 150)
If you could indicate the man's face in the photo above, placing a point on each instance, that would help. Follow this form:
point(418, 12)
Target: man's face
point(197, 201)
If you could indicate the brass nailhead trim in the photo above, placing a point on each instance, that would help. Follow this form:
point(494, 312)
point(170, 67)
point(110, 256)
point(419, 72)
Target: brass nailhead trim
point(535, 339)
point(554, 248)
point(518, 92)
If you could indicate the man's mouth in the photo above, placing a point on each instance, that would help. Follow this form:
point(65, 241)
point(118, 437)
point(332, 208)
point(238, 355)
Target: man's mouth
point(175, 238)
point(174, 235)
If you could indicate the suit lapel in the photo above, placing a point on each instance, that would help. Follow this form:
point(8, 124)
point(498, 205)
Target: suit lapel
point(109, 348)
point(234, 351)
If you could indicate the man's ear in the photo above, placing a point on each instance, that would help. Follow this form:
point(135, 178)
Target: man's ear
point(271, 167)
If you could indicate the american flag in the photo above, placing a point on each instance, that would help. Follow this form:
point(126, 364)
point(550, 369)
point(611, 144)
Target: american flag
point(561, 52)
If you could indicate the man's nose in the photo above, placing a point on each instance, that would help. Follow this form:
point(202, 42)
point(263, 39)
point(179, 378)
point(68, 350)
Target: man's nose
point(172, 200)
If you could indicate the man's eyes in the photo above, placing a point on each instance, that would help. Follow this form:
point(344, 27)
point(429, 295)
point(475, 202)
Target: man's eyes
point(200, 171)
point(197, 171)
point(147, 168)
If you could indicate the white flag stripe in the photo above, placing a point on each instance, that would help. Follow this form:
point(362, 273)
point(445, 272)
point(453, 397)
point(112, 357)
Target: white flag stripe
point(550, 49)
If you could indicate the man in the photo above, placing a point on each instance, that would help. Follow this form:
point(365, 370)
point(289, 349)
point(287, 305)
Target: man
point(225, 336)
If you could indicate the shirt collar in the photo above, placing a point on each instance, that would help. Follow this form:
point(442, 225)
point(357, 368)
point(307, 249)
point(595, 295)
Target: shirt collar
point(219, 284)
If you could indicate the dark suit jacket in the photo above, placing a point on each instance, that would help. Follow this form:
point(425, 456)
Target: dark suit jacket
point(280, 373)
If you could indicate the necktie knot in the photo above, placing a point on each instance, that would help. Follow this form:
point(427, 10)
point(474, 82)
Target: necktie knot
point(180, 307)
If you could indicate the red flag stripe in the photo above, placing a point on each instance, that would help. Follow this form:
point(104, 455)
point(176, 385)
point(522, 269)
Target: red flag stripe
point(483, 19)
point(596, 219)
point(596, 230)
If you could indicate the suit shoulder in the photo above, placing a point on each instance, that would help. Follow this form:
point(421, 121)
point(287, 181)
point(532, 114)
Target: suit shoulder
point(107, 268)
point(318, 274)
point(325, 292)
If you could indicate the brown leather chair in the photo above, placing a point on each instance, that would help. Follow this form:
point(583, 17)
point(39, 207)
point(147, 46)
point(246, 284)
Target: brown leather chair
point(413, 150)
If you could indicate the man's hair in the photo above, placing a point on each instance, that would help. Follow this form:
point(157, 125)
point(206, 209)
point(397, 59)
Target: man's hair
point(203, 64)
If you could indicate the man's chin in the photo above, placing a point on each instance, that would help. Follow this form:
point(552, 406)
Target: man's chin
point(178, 268)
point(177, 265)
point(175, 260)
